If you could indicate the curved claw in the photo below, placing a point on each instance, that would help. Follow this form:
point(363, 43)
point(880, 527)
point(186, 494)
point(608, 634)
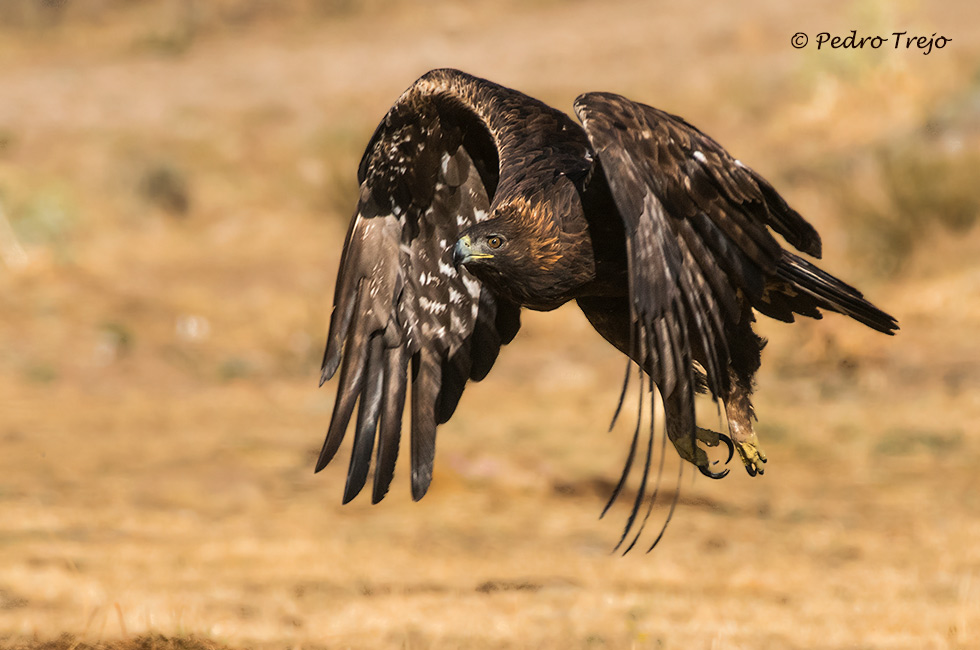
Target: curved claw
point(711, 439)
point(715, 475)
point(690, 451)
point(730, 444)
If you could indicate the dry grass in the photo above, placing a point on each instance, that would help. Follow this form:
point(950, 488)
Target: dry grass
point(176, 187)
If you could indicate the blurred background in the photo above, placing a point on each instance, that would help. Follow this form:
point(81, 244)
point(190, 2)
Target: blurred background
point(176, 179)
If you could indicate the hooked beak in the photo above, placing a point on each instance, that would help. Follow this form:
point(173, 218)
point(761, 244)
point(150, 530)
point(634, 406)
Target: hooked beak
point(463, 253)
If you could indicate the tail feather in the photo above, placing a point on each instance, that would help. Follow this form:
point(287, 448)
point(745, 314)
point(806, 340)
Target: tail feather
point(830, 293)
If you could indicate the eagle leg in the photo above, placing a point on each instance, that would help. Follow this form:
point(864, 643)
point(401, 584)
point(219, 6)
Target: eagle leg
point(744, 437)
point(738, 403)
point(685, 435)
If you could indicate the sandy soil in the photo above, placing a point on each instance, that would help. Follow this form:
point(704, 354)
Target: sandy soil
point(175, 181)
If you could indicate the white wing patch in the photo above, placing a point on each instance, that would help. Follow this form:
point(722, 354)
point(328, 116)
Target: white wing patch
point(432, 306)
point(455, 321)
point(447, 269)
point(473, 288)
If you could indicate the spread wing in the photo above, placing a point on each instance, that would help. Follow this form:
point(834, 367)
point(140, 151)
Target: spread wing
point(699, 253)
point(428, 173)
point(697, 226)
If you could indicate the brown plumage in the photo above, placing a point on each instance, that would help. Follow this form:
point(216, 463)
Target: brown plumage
point(477, 201)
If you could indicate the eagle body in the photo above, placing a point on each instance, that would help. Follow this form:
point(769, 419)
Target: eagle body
point(477, 201)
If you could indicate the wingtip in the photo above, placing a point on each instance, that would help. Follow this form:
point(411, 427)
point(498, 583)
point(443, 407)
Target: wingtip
point(322, 461)
point(329, 366)
point(420, 485)
point(378, 494)
point(330, 444)
point(350, 491)
point(881, 322)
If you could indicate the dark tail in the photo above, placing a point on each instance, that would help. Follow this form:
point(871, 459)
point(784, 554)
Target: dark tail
point(827, 292)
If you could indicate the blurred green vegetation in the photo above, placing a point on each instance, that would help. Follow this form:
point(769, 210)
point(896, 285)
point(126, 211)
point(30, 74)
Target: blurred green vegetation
point(906, 441)
point(905, 191)
point(927, 192)
point(42, 216)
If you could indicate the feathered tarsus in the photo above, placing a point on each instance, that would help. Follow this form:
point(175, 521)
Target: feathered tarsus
point(477, 200)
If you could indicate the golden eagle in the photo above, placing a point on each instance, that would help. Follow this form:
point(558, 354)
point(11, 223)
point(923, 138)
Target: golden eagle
point(477, 200)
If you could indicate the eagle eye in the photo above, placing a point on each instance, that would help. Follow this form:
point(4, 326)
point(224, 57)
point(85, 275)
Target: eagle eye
point(495, 241)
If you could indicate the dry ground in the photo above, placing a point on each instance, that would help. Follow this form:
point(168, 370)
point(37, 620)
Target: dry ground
point(175, 180)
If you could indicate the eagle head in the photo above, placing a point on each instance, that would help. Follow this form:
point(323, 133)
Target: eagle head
point(474, 250)
point(521, 253)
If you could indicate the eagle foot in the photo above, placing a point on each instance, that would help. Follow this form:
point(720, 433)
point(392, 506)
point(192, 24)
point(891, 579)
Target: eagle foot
point(752, 456)
point(711, 439)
